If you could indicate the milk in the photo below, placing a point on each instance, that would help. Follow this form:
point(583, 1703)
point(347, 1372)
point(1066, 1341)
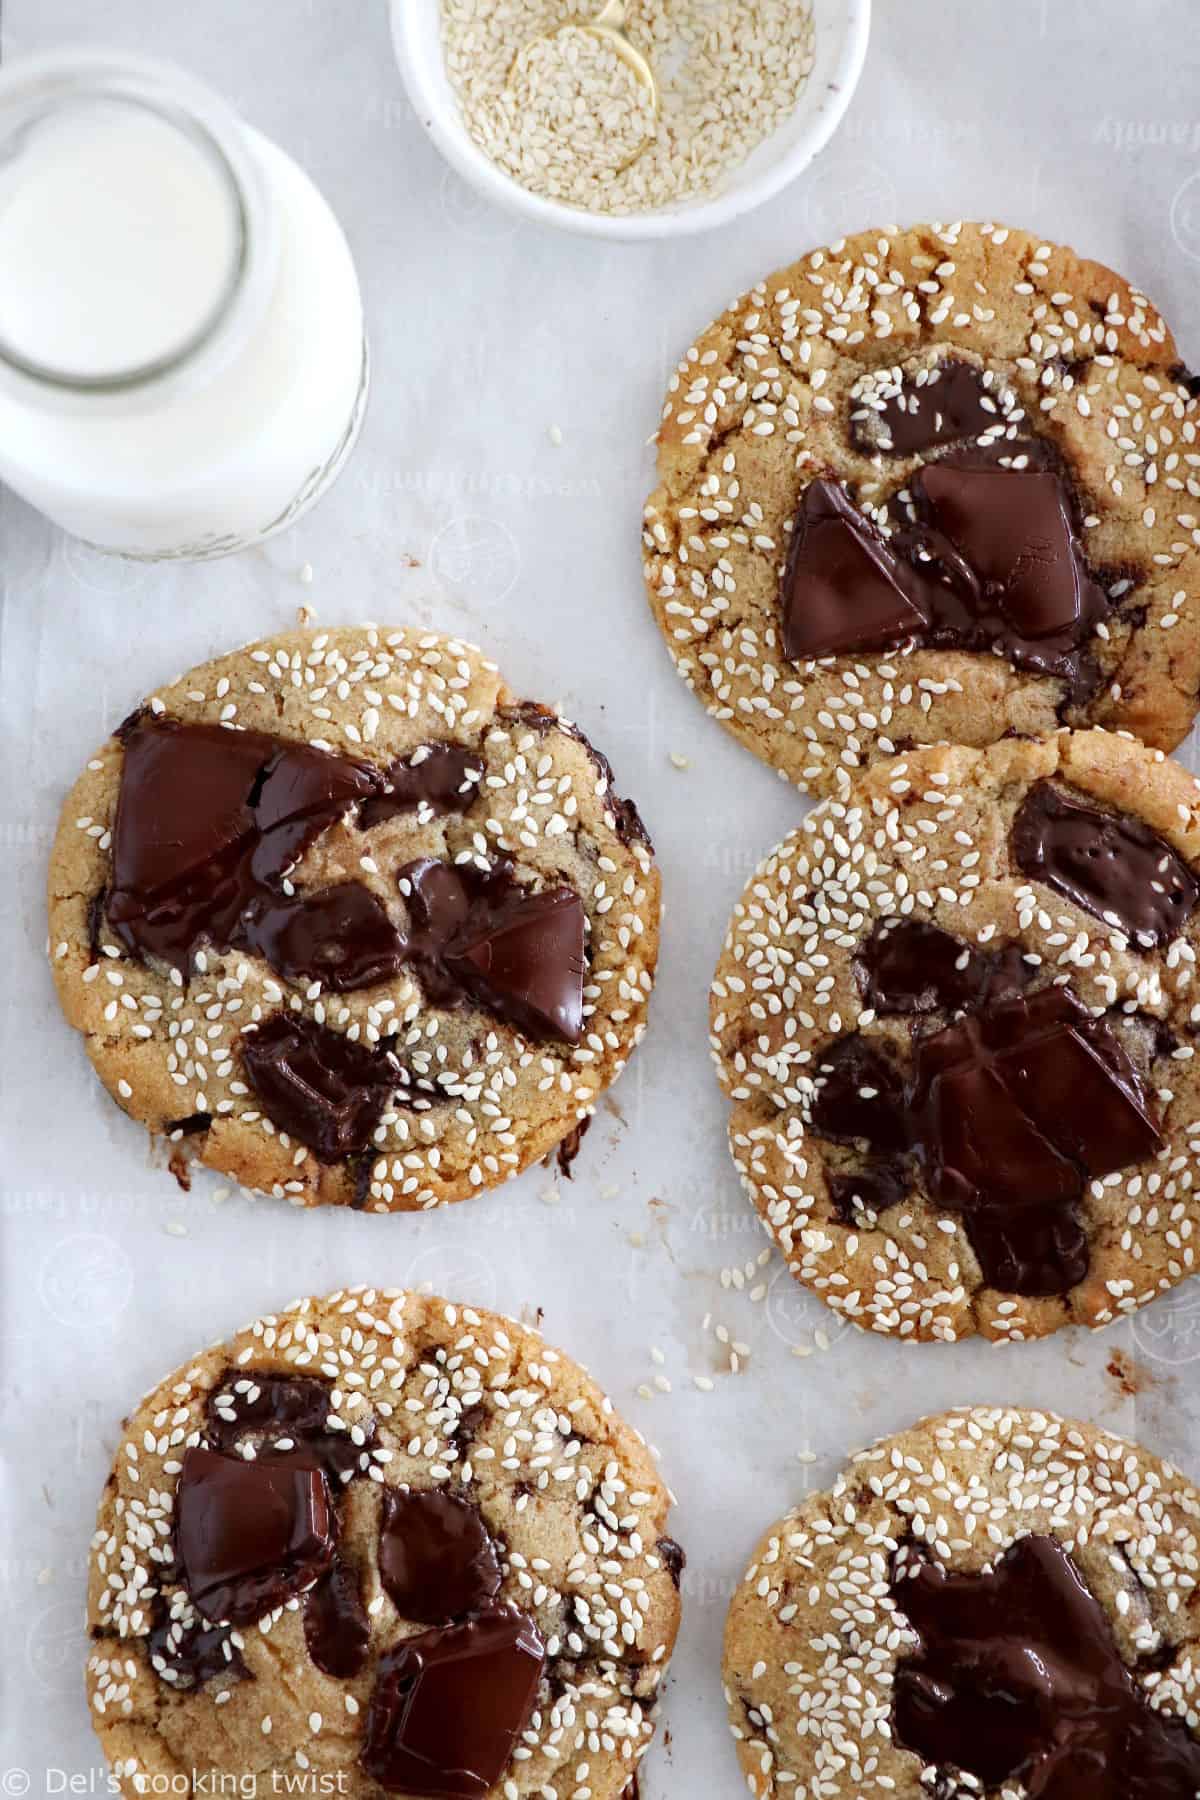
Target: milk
point(182, 360)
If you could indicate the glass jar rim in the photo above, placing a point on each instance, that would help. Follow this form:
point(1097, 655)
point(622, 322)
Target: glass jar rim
point(38, 84)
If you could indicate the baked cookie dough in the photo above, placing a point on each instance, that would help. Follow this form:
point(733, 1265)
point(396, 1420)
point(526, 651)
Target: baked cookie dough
point(380, 1544)
point(346, 920)
point(935, 485)
point(956, 1017)
point(990, 1603)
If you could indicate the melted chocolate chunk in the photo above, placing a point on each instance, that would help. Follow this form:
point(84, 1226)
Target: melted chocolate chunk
point(674, 1558)
point(909, 966)
point(95, 923)
point(1018, 1679)
point(188, 1655)
point(340, 936)
point(1111, 865)
point(1014, 1108)
point(448, 1706)
point(437, 1559)
point(126, 728)
point(526, 964)
point(289, 1410)
point(881, 1184)
point(476, 934)
point(1006, 544)
point(263, 1529)
point(250, 1535)
point(443, 777)
point(208, 822)
point(946, 405)
point(364, 1170)
point(336, 1627)
point(568, 1147)
point(861, 1095)
point(843, 588)
point(989, 561)
point(324, 1089)
point(191, 1126)
point(286, 1417)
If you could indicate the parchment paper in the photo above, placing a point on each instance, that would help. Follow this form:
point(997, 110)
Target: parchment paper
point(1080, 118)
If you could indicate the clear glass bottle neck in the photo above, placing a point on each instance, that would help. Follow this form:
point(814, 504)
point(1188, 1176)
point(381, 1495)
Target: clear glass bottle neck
point(51, 108)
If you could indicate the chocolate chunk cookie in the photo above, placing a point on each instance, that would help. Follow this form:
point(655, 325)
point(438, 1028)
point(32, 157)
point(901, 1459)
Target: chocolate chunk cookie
point(956, 1019)
point(992, 1602)
point(346, 920)
point(935, 485)
point(390, 1543)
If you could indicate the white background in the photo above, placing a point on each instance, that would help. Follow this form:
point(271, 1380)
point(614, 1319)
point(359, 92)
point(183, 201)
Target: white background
point(1078, 118)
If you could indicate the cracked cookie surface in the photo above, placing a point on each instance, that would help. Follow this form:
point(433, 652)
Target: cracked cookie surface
point(347, 921)
point(955, 1016)
point(370, 1493)
point(857, 368)
point(990, 1602)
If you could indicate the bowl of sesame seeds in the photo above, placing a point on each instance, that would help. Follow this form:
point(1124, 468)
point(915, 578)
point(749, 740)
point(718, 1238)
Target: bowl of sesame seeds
point(546, 117)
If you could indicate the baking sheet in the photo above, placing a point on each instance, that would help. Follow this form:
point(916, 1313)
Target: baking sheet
point(1077, 117)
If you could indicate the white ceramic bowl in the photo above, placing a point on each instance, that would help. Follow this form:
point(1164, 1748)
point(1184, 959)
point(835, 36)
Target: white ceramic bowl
point(841, 33)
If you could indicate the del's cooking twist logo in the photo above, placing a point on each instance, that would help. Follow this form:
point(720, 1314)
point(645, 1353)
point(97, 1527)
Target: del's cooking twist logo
point(237, 1784)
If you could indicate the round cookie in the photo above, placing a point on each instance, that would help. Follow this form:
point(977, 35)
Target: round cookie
point(342, 917)
point(956, 1018)
point(380, 1543)
point(991, 1602)
point(923, 486)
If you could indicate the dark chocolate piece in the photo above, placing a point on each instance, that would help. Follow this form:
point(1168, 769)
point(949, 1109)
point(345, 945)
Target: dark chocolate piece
point(526, 964)
point(881, 1184)
point(1016, 550)
point(324, 1089)
point(292, 1410)
point(448, 1706)
point(1018, 1680)
point(909, 966)
point(336, 1627)
point(443, 777)
point(287, 1417)
point(843, 588)
point(475, 933)
point(250, 1534)
point(861, 1095)
point(187, 1655)
point(1110, 864)
point(988, 560)
point(95, 923)
point(674, 1558)
point(192, 1125)
point(944, 407)
point(340, 936)
point(569, 1147)
point(437, 1559)
point(208, 823)
point(1013, 1109)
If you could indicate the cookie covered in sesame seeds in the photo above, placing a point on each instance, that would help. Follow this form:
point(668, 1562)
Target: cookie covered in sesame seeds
point(956, 1017)
point(379, 1543)
point(343, 918)
point(925, 486)
point(992, 1602)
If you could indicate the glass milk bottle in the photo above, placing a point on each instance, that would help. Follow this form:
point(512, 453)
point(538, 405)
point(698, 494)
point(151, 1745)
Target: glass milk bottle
point(183, 369)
